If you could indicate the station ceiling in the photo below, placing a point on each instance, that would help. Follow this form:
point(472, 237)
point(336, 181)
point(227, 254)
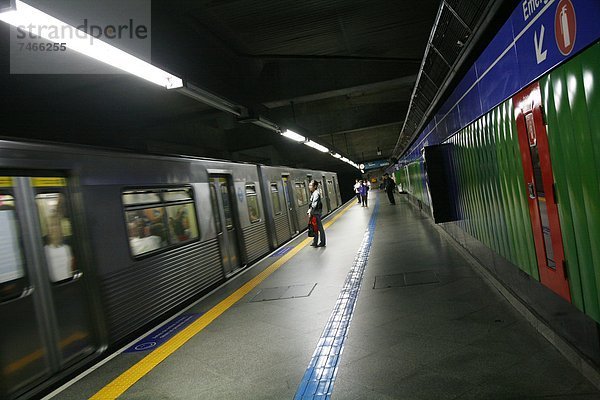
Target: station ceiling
point(339, 71)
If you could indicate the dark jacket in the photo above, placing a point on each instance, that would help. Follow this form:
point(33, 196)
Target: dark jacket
point(390, 185)
point(363, 189)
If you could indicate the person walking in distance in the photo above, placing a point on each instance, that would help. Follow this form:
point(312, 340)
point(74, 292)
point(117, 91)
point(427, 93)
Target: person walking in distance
point(356, 190)
point(364, 193)
point(315, 209)
point(389, 186)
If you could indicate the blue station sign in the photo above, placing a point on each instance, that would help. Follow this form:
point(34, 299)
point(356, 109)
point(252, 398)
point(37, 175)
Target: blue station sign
point(551, 31)
point(375, 164)
point(539, 36)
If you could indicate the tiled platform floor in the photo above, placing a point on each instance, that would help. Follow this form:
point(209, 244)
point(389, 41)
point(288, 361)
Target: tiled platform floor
point(456, 339)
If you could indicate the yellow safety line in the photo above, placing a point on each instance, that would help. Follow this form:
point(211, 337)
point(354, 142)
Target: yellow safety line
point(128, 378)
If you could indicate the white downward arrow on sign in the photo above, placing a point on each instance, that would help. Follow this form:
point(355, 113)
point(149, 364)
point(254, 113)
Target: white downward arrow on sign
point(539, 54)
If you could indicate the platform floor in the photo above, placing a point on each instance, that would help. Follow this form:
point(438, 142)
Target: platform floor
point(454, 339)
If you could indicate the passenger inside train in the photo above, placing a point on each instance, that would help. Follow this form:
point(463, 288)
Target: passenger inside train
point(55, 226)
point(143, 237)
point(59, 256)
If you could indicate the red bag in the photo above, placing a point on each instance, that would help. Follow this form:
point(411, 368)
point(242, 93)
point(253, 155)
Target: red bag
point(312, 226)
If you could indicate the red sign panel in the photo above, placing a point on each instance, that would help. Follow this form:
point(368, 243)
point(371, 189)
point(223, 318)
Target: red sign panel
point(565, 27)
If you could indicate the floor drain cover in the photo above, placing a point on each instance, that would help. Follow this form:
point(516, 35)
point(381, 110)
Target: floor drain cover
point(406, 279)
point(284, 292)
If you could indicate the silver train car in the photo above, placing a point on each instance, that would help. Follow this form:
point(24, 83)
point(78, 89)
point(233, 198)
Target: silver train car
point(98, 245)
point(288, 197)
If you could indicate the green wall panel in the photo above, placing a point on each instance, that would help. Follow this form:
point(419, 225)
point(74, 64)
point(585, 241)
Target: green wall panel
point(492, 197)
point(486, 162)
point(572, 103)
point(416, 182)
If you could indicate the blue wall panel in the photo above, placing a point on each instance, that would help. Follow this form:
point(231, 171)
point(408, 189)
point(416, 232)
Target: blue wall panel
point(501, 41)
point(493, 87)
point(470, 107)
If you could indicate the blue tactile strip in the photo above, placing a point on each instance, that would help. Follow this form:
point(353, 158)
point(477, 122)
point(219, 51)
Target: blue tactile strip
point(318, 379)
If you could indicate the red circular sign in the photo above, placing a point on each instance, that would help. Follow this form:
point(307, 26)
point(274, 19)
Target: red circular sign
point(565, 26)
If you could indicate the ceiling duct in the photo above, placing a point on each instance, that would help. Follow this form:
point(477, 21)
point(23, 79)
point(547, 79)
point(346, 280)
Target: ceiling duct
point(458, 27)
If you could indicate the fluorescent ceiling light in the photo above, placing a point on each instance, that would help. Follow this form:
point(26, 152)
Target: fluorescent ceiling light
point(32, 20)
point(336, 155)
point(293, 135)
point(317, 146)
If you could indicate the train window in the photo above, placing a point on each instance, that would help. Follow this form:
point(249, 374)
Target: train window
point(178, 195)
point(146, 230)
point(57, 235)
point(275, 199)
point(12, 265)
point(159, 218)
point(140, 197)
point(301, 195)
point(182, 222)
point(213, 200)
point(226, 205)
point(252, 200)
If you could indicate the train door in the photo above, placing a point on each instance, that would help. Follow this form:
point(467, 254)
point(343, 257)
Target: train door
point(325, 195)
point(539, 182)
point(331, 195)
point(45, 316)
point(338, 198)
point(289, 201)
point(222, 195)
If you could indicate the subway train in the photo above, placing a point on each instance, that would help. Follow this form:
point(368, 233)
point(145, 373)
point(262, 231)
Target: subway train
point(99, 244)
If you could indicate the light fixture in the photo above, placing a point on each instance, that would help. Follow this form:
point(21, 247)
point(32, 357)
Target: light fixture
point(28, 18)
point(345, 159)
point(210, 99)
point(293, 135)
point(317, 146)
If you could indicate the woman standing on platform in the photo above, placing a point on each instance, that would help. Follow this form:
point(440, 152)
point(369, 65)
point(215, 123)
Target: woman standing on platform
point(364, 191)
point(315, 209)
